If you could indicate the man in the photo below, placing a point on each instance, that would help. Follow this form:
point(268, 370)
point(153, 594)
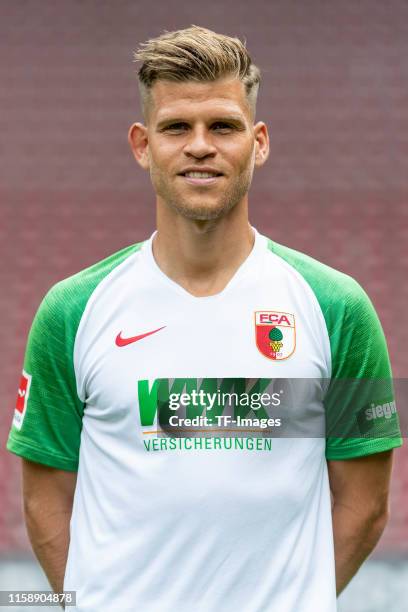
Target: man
point(132, 518)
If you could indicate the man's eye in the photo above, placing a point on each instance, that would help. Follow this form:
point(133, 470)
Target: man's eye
point(176, 127)
point(222, 127)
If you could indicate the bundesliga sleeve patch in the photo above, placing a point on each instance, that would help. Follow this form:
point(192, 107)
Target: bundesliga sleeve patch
point(22, 397)
point(275, 334)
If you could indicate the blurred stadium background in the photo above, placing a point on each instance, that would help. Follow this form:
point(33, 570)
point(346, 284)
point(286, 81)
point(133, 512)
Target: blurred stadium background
point(335, 96)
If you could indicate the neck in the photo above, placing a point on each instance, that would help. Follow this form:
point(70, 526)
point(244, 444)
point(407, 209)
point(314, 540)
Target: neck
point(202, 256)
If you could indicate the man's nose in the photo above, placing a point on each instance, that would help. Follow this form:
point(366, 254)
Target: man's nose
point(200, 143)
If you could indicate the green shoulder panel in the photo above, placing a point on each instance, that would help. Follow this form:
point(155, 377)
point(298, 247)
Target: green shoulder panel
point(50, 429)
point(361, 375)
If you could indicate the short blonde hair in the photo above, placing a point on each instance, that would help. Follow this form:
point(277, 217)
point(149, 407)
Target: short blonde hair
point(195, 54)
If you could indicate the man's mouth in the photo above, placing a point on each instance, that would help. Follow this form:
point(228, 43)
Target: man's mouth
point(201, 174)
point(200, 178)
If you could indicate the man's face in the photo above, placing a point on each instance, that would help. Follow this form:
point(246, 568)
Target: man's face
point(200, 146)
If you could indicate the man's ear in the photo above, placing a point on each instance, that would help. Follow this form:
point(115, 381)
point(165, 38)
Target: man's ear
point(261, 144)
point(139, 143)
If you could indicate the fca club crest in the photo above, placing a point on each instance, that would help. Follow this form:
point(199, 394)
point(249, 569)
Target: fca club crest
point(275, 334)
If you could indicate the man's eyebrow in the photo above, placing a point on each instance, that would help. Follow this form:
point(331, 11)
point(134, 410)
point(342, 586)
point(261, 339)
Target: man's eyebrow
point(229, 119)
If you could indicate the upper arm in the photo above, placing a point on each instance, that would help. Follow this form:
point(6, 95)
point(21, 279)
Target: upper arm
point(361, 415)
point(47, 487)
point(47, 422)
point(362, 483)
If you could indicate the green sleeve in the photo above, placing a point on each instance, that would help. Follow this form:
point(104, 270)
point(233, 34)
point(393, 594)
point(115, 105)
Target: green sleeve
point(361, 385)
point(361, 378)
point(50, 430)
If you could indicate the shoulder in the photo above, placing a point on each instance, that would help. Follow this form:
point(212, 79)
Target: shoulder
point(339, 295)
point(64, 303)
point(74, 291)
point(324, 280)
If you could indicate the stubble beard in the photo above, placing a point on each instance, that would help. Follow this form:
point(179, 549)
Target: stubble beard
point(203, 211)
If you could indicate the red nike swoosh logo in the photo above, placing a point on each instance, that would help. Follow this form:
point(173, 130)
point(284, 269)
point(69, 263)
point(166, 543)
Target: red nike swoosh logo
point(125, 341)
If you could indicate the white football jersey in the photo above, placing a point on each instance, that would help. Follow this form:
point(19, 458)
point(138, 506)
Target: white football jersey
point(143, 388)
